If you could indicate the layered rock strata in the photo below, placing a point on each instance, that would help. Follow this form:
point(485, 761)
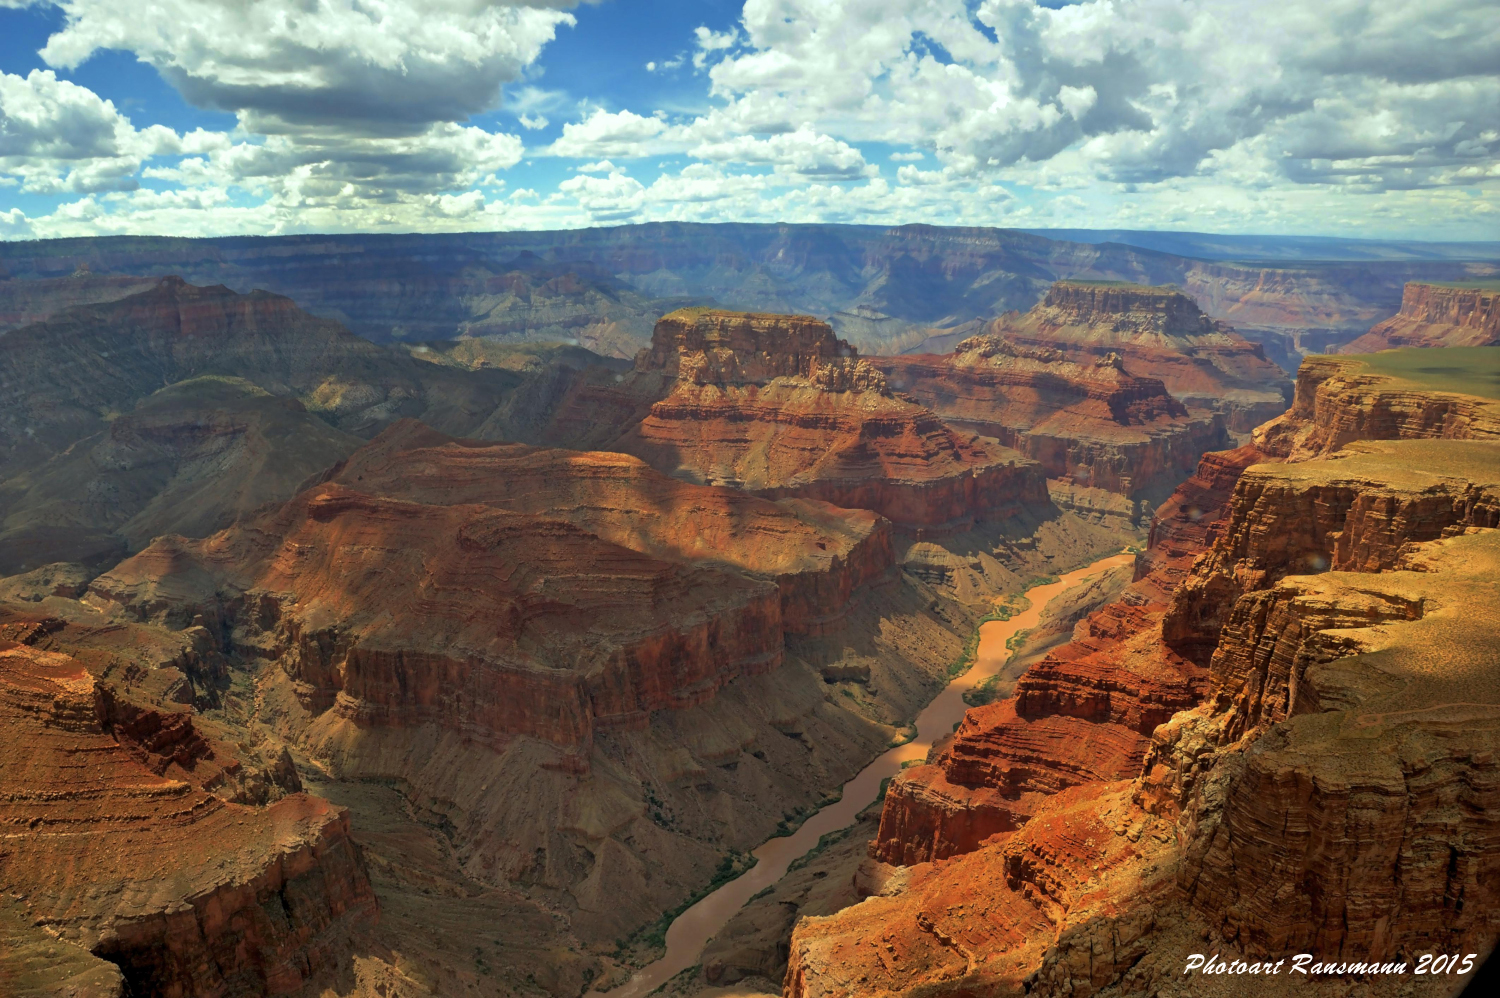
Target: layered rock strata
point(1386, 397)
point(1085, 713)
point(119, 846)
point(1089, 423)
point(778, 406)
point(1341, 749)
point(1437, 315)
point(1360, 513)
point(1159, 333)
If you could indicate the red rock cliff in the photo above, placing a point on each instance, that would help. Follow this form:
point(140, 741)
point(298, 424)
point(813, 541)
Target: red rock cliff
point(776, 405)
point(1160, 333)
point(1437, 315)
point(1088, 422)
point(130, 858)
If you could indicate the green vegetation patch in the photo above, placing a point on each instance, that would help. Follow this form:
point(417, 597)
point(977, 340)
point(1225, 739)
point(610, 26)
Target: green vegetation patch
point(1466, 370)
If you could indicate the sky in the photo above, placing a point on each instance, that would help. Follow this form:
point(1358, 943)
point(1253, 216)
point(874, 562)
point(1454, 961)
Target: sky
point(1360, 118)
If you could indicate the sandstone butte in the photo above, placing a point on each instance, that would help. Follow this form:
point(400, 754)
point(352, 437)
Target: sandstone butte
point(1237, 756)
point(1438, 315)
point(143, 853)
point(1159, 333)
point(542, 593)
point(599, 678)
point(1086, 420)
point(779, 407)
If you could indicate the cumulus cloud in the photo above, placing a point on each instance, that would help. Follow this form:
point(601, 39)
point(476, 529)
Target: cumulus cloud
point(380, 67)
point(803, 153)
point(57, 136)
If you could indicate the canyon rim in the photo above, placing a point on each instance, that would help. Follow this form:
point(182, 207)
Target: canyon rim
point(590, 499)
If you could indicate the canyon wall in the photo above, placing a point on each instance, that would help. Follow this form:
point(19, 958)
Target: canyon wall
point(1437, 315)
point(141, 859)
point(1159, 333)
point(778, 406)
point(1230, 712)
point(1092, 425)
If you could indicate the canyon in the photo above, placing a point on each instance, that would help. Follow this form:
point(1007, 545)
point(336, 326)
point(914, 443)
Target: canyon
point(886, 289)
point(1229, 712)
point(461, 654)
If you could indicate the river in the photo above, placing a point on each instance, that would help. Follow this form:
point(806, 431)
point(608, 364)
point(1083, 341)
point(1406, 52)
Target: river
point(692, 930)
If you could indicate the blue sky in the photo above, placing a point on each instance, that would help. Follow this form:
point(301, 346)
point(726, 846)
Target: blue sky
point(1375, 118)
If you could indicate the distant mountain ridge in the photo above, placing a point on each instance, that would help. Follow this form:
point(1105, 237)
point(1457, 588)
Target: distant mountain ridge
point(886, 289)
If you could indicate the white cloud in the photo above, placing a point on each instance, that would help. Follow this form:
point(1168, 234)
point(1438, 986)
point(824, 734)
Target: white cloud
point(803, 153)
point(621, 134)
point(382, 67)
point(532, 122)
point(615, 198)
point(603, 166)
point(57, 136)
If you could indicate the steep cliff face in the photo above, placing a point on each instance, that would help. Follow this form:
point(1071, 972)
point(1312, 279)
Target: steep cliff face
point(1160, 333)
point(1362, 799)
point(495, 648)
point(778, 406)
point(1360, 513)
point(1091, 424)
point(1084, 714)
point(1338, 744)
point(1437, 315)
point(135, 859)
point(1391, 396)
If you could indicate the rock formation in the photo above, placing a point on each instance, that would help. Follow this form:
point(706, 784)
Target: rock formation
point(187, 459)
point(1330, 732)
point(1401, 395)
point(131, 866)
point(600, 677)
point(1091, 423)
point(778, 406)
point(1438, 315)
point(1159, 333)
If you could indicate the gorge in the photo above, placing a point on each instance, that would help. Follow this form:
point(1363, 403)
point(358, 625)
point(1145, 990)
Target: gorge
point(465, 661)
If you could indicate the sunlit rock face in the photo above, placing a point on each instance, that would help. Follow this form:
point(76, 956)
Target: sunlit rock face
point(778, 406)
point(1159, 333)
point(1437, 315)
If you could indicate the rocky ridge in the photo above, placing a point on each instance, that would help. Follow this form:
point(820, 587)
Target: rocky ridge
point(1322, 698)
point(135, 857)
point(1159, 333)
point(1437, 315)
point(780, 407)
point(1088, 422)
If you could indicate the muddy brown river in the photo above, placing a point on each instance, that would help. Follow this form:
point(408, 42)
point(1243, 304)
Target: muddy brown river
point(687, 936)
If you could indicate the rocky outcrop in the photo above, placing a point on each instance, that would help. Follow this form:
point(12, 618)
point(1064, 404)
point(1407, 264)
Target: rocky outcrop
point(136, 859)
point(1159, 333)
point(778, 406)
point(1362, 806)
point(1360, 513)
point(1437, 315)
point(1386, 397)
point(1090, 424)
point(1338, 745)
